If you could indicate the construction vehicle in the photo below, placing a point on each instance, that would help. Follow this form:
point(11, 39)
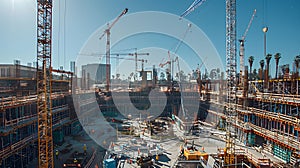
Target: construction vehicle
point(192, 153)
point(144, 162)
point(76, 160)
point(70, 163)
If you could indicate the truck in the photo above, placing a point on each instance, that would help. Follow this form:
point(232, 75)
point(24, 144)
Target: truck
point(192, 153)
point(145, 162)
point(76, 160)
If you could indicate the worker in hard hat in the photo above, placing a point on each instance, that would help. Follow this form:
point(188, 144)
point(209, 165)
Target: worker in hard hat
point(56, 154)
point(75, 160)
point(84, 149)
point(181, 150)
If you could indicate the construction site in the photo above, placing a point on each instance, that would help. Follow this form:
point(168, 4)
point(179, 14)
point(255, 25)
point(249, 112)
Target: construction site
point(231, 117)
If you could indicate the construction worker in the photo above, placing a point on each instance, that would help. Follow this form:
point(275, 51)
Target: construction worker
point(75, 160)
point(56, 154)
point(181, 150)
point(84, 149)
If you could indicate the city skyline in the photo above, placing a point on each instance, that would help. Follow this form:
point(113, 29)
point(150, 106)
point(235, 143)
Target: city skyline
point(75, 21)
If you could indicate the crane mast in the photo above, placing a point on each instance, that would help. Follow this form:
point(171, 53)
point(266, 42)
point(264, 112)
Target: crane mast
point(231, 78)
point(44, 89)
point(136, 59)
point(107, 32)
point(167, 62)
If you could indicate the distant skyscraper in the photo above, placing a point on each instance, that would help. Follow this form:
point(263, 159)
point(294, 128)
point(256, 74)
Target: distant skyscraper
point(72, 66)
point(97, 72)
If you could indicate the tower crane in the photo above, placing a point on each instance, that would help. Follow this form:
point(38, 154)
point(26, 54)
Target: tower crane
point(136, 60)
point(44, 88)
point(121, 54)
point(242, 42)
point(167, 62)
point(230, 72)
point(229, 152)
point(107, 32)
point(135, 54)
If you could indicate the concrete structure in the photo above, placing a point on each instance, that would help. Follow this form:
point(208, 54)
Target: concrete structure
point(96, 72)
point(18, 114)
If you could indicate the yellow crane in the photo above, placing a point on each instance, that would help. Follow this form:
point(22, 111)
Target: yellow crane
point(44, 80)
point(44, 88)
point(242, 43)
point(230, 72)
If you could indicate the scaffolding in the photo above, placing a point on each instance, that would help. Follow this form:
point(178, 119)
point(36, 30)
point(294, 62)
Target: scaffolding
point(18, 113)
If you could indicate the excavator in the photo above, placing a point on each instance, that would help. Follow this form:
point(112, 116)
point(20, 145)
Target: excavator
point(192, 153)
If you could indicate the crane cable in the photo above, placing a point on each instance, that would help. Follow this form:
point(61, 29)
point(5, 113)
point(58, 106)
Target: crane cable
point(265, 13)
point(58, 38)
point(64, 25)
point(63, 20)
point(178, 66)
point(184, 35)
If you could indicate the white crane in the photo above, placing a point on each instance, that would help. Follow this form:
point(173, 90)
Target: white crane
point(119, 54)
point(242, 42)
point(136, 59)
point(107, 32)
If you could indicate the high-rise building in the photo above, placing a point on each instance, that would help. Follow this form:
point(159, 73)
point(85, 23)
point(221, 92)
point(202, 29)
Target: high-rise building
point(72, 66)
point(97, 72)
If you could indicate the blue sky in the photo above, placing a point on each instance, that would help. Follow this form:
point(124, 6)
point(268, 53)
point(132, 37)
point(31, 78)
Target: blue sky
point(80, 19)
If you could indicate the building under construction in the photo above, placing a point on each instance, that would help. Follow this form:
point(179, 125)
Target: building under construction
point(18, 113)
point(266, 113)
point(37, 107)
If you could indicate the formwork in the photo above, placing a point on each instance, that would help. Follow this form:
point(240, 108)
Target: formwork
point(18, 113)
